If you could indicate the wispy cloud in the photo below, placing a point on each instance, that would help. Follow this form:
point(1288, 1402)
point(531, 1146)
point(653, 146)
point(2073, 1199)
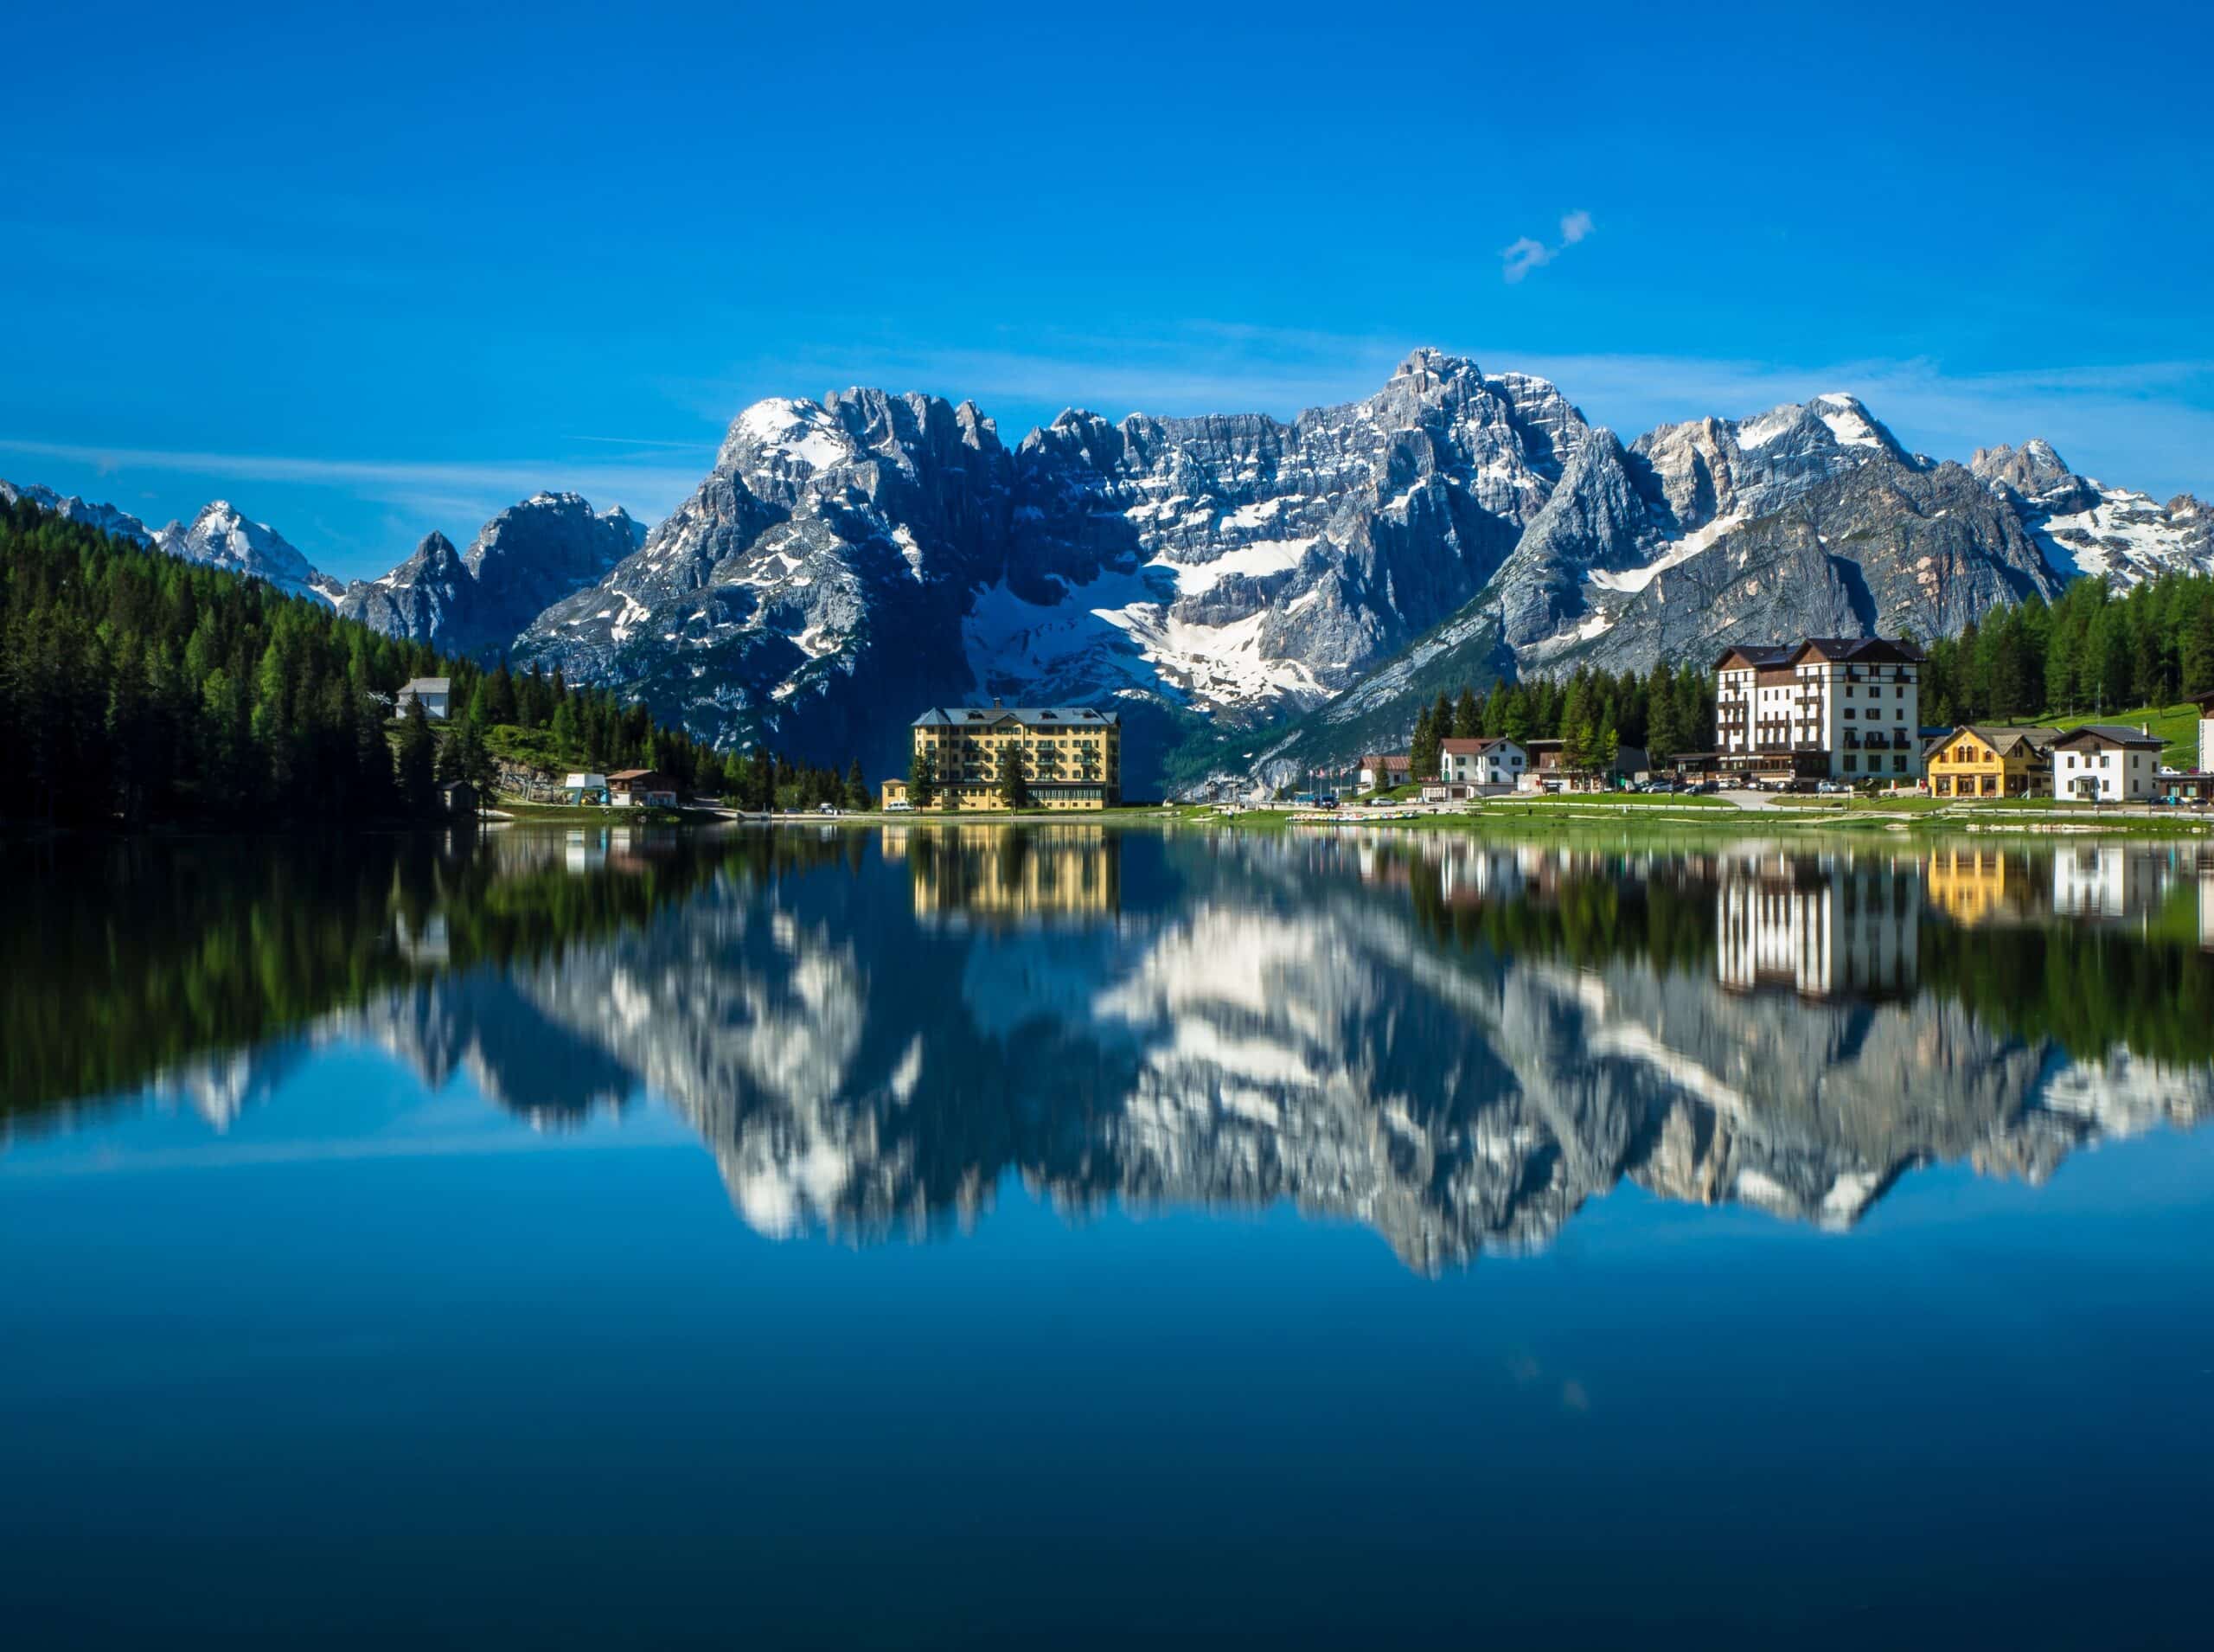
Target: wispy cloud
point(1527, 253)
point(647, 488)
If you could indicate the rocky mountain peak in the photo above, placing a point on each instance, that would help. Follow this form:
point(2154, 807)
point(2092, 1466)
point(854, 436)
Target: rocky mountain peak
point(221, 536)
point(108, 518)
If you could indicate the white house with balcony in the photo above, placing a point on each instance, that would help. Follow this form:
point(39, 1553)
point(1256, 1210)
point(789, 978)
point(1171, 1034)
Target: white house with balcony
point(1827, 708)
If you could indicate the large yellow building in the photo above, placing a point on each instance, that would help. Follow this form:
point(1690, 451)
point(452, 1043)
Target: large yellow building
point(1977, 761)
point(1068, 757)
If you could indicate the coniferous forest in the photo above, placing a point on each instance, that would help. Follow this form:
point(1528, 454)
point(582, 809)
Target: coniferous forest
point(139, 689)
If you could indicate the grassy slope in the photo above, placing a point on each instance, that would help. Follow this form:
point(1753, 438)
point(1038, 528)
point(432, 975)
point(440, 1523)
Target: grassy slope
point(2176, 725)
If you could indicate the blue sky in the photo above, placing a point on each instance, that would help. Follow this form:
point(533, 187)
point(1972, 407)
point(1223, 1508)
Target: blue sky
point(366, 273)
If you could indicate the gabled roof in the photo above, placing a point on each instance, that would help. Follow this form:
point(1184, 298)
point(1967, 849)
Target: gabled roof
point(1835, 649)
point(2002, 741)
point(1841, 649)
point(637, 774)
point(1029, 716)
point(1471, 745)
point(2111, 735)
point(427, 685)
point(1755, 655)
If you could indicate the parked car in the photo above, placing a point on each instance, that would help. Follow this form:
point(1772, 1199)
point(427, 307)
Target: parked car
point(1326, 800)
point(899, 806)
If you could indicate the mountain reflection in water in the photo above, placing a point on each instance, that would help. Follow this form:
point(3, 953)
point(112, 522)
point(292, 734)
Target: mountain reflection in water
point(1455, 1041)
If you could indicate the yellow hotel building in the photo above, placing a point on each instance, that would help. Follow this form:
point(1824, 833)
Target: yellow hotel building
point(1070, 756)
point(1977, 761)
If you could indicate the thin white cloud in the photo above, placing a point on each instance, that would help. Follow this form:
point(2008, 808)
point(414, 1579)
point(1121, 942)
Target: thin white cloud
point(646, 491)
point(1526, 254)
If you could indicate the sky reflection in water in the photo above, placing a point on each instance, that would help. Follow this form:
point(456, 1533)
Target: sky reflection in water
point(363, 1229)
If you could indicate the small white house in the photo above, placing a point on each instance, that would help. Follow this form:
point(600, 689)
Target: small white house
point(1381, 769)
point(2105, 763)
point(584, 788)
point(1490, 763)
point(435, 692)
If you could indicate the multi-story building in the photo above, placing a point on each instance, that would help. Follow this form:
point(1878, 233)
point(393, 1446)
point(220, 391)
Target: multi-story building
point(1829, 708)
point(1069, 756)
point(2105, 763)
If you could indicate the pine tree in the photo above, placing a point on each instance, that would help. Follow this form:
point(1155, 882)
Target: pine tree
point(416, 757)
point(1468, 716)
point(1014, 785)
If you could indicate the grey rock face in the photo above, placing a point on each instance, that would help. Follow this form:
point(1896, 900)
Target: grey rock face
point(871, 551)
point(220, 537)
point(522, 561)
point(1244, 566)
point(2086, 529)
point(2036, 475)
point(1883, 549)
point(420, 599)
point(820, 568)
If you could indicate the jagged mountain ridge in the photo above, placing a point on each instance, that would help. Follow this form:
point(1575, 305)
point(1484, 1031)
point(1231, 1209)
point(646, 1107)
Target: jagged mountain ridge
point(1810, 520)
point(848, 560)
point(868, 550)
point(522, 562)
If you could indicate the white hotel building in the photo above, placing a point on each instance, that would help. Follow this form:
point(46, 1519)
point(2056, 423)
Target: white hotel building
point(1829, 708)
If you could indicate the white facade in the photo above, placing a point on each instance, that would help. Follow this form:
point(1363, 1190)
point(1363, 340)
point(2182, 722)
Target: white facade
point(1493, 764)
point(2098, 766)
point(1841, 711)
point(1820, 931)
point(435, 692)
point(2206, 740)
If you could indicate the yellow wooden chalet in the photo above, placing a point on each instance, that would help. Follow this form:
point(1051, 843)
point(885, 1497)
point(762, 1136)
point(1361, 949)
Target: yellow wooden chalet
point(1979, 760)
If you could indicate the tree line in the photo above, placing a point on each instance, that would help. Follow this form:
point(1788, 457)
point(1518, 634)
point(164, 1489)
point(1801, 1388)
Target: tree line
point(2091, 650)
point(1592, 713)
point(136, 689)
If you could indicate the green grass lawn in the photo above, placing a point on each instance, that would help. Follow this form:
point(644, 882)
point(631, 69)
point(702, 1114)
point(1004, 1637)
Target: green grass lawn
point(2176, 726)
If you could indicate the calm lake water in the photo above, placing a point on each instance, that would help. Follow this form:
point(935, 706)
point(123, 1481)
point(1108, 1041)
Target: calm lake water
point(958, 1237)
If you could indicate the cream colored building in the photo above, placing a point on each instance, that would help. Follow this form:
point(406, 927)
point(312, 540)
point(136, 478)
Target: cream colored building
point(1070, 758)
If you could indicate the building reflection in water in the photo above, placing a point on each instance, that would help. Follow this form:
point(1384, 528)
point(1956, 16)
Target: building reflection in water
point(1455, 1041)
point(994, 874)
point(1821, 925)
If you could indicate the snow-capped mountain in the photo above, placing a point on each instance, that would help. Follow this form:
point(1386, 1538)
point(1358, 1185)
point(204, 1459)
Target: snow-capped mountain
point(849, 561)
point(525, 560)
point(220, 537)
point(868, 550)
point(2085, 528)
point(106, 518)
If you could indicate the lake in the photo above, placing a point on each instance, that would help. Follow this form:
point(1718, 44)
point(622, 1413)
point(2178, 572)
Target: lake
point(962, 1236)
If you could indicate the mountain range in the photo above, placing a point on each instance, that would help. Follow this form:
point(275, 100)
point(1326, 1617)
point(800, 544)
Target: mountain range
point(1255, 596)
